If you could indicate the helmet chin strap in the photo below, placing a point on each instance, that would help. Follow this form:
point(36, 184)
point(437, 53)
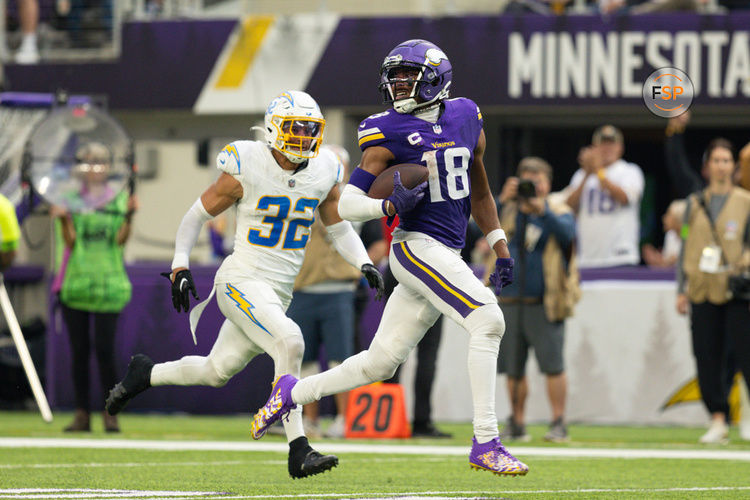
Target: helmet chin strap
point(294, 159)
point(405, 106)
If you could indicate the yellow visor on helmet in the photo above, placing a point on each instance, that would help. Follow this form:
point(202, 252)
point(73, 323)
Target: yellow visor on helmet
point(298, 136)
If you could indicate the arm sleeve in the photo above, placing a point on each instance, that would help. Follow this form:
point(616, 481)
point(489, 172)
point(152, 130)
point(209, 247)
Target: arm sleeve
point(187, 233)
point(347, 243)
point(355, 205)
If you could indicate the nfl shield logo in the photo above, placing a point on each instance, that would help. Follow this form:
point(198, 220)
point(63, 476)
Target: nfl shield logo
point(437, 128)
point(291, 183)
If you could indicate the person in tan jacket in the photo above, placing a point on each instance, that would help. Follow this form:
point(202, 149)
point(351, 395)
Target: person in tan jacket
point(541, 232)
point(716, 235)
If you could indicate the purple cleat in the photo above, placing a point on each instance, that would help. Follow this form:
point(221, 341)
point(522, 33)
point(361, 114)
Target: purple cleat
point(493, 456)
point(278, 405)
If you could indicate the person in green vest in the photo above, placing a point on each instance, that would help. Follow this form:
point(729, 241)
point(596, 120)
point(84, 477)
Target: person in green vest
point(95, 286)
point(10, 233)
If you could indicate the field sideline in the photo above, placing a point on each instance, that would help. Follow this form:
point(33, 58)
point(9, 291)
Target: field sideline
point(159, 456)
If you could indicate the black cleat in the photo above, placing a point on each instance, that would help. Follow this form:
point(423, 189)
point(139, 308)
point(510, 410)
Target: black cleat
point(137, 379)
point(310, 464)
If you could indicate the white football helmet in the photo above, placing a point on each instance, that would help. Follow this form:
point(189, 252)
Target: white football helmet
point(294, 125)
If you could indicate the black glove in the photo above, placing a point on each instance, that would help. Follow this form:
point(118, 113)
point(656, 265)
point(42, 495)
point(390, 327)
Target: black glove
point(182, 284)
point(374, 279)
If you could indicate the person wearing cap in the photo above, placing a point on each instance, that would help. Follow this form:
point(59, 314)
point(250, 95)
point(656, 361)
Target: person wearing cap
point(541, 230)
point(605, 192)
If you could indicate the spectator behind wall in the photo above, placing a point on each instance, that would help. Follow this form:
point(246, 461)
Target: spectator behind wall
point(717, 245)
point(10, 233)
point(540, 234)
point(606, 194)
point(95, 286)
point(672, 224)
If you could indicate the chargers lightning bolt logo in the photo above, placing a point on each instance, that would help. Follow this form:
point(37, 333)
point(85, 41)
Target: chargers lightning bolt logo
point(243, 305)
point(230, 151)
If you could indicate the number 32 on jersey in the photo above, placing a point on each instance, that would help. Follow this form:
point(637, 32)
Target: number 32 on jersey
point(278, 224)
point(456, 162)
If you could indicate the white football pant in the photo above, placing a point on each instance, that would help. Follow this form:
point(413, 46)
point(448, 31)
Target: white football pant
point(433, 279)
point(256, 322)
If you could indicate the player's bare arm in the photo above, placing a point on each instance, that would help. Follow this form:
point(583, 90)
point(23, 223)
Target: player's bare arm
point(219, 196)
point(222, 194)
point(482, 202)
point(375, 160)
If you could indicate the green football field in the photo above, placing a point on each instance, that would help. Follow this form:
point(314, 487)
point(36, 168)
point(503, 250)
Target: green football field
point(159, 456)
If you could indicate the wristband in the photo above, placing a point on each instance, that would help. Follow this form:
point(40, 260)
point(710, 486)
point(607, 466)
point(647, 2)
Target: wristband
point(494, 236)
point(362, 179)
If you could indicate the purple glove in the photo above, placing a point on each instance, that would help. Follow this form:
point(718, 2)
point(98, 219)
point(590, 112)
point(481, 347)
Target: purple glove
point(503, 275)
point(402, 198)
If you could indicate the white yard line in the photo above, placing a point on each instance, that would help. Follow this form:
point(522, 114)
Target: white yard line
point(394, 449)
point(96, 493)
point(500, 492)
point(78, 493)
point(122, 464)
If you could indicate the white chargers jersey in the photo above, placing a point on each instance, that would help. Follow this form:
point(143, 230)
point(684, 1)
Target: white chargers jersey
point(608, 231)
point(275, 213)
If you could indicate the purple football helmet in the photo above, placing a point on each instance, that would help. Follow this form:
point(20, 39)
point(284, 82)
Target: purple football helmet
point(431, 83)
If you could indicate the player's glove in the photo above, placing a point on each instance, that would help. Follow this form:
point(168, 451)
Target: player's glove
point(503, 275)
point(403, 198)
point(374, 279)
point(182, 284)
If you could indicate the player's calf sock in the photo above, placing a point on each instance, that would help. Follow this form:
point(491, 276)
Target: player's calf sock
point(189, 370)
point(372, 365)
point(294, 427)
point(486, 327)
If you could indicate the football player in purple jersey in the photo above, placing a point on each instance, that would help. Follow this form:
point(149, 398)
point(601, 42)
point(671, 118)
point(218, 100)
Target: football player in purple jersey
point(424, 127)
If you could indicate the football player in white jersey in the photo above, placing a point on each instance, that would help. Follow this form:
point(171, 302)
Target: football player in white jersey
point(606, 195)
point(277, 185)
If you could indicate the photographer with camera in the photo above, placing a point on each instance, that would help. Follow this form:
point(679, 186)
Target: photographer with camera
point(713, 284)
point(606, 195)
point(540, 234)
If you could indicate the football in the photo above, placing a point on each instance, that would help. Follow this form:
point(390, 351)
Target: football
point(411, 175)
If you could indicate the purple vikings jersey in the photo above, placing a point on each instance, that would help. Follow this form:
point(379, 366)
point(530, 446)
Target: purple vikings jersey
point(446, 148)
